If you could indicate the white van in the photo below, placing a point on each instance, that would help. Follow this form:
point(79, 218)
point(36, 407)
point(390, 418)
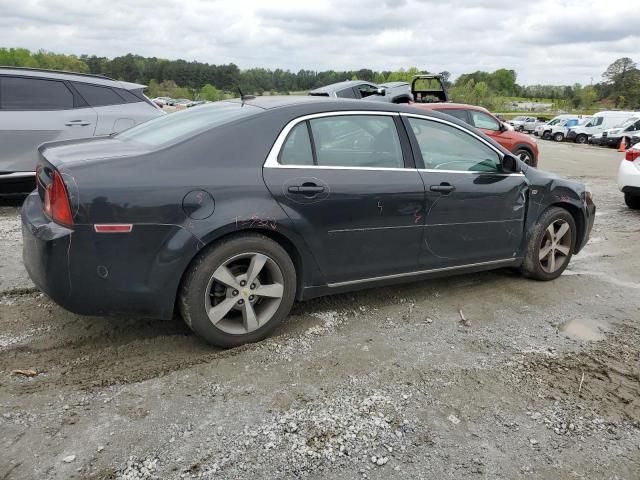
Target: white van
point(601, 121)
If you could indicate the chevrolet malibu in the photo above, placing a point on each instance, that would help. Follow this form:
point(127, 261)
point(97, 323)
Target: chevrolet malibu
point(230, 212)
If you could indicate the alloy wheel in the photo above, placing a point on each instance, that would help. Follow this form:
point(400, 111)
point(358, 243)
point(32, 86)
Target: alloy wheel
point(555, 246)
point(244, 293)
point(525, 156)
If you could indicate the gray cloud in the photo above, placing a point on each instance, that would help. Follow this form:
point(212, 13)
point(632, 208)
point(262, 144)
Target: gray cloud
point(546, 41)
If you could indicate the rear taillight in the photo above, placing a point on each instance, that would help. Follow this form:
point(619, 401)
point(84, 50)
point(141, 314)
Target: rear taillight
point(632, 155)
point(56, 201)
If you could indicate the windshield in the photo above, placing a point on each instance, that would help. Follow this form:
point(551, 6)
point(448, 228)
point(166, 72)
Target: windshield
point(555, 121)
point(177, 126)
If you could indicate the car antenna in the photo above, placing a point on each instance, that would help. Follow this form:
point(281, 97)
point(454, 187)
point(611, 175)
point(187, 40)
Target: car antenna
point(244, 97)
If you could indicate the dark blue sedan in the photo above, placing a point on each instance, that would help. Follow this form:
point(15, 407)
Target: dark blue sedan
point(229, 212)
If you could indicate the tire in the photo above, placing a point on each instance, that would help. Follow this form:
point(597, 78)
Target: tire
point(521, 129)
point(581, 138)
point(558, 137)
point(546, 135)
point(632, 201)
point(540, 242)
point(525, 155)
point(242, 315)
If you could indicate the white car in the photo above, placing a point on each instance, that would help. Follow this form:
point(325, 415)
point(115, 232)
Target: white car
point(629, 177)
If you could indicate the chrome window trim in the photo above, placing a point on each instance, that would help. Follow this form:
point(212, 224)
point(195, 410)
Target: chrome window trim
point(272, 157)
point(472, 172)
point(422, 272)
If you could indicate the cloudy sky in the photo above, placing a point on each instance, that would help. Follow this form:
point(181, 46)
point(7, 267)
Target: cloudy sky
point(545, 41)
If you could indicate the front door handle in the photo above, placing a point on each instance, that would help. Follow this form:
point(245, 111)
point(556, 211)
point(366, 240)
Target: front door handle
point(307, 189)
point(442, 188)
point(77, 123)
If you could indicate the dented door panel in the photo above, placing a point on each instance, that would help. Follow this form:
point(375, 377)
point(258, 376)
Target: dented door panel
point(481, 219)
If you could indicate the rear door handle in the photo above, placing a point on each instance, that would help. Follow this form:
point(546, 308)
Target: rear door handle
point(306, 189)
point(77, 123)
point(442, 188)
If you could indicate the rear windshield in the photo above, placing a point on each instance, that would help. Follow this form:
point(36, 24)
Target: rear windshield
point(174, 127)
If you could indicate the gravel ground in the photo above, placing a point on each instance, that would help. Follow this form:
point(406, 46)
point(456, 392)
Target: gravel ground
point(541, 382)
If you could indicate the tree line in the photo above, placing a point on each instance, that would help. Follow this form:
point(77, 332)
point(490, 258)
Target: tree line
point(619, 86)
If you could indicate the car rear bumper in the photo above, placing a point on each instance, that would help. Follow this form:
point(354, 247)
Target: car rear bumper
point(105, 274)
point(628, 176)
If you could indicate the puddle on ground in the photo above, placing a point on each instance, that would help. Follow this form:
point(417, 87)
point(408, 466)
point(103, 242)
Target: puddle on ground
point(584, 329)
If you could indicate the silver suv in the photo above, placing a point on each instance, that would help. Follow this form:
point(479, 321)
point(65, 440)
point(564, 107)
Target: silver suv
point(38, 106)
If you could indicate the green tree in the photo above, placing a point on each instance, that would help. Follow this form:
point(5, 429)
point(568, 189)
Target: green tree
point(211, 93)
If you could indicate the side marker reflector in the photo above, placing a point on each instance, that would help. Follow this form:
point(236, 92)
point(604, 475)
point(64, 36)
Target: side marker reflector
point(113, 228)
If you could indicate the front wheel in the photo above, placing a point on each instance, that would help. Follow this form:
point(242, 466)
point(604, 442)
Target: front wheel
point(238, 290)
point(632, 201)
point(550, 245)
point(581, 139)
point(558, 137)
point(546, 135)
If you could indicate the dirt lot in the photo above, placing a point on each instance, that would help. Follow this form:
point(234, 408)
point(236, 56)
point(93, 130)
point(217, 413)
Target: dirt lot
point(542, 382)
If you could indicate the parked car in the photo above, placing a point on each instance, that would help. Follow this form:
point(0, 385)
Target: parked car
point(230, 211)
point(38, 106)
point(599, 122)
point(629, 177)
point(521, 145)
point(526, 124)
point(392, 92)
point(613, 136)
point(560, 130)
point(544, 131)
point(163, 101)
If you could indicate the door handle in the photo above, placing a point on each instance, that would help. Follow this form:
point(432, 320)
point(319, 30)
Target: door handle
point(306, 189)
point(79, 123)
point(442, 188)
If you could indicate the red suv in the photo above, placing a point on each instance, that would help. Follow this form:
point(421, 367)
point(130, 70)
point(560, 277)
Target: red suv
point(519, 144)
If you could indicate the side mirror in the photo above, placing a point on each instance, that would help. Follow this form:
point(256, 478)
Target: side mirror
point(381, 91)
point(502, 127)
point(509, 164)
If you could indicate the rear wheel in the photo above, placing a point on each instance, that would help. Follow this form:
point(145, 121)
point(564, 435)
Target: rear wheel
point(238, 290)
point(550, 245)
point(558, 137)
point(525, 155)
point(582, 138)
point(632, 201)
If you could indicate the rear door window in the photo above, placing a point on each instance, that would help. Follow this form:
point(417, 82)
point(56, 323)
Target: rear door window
point(21, 93)
point(98, 96)
point(357, 141)
point(482, 120)
point(360, 141)
point(297, 148)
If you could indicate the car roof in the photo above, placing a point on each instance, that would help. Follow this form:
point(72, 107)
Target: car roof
point(339, 86)
point(70, 76)
point(299, 105)
point(449, 105)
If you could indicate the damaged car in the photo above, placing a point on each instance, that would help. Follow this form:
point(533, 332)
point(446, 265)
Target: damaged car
point(229, 212)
